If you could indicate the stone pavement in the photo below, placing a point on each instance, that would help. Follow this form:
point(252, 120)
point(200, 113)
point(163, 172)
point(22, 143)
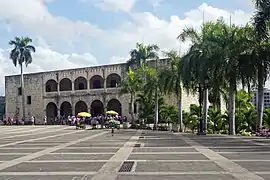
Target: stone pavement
point(63, 153)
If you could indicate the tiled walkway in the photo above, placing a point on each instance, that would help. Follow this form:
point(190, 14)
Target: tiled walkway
point(63, 153)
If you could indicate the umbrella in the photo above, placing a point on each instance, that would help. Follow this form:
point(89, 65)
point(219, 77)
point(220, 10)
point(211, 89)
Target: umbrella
point(84, 114)
point(112, 113)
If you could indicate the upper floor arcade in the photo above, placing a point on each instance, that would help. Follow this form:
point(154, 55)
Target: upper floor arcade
point(82, 83)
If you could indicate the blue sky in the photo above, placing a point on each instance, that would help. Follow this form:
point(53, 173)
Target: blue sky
point(76, 33)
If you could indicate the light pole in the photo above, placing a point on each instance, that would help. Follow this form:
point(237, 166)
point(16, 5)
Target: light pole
point(156, 99)
point(200, 123)
point(104, 91)
point(205, 103)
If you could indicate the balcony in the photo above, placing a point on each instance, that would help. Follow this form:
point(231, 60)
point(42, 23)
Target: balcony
point(51, 94)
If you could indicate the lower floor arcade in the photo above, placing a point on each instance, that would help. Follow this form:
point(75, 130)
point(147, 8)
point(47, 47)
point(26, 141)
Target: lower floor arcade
point(96, 108)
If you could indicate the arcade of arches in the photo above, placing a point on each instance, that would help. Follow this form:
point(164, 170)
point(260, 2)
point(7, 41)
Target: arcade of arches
point(114, 105)
point(97, 108)
point(80, 83)
point(80, 106)
point(51, 86)
point(113, 80)
point(51, 112)
point(65, 109)
point(65, 85)
point(96, 82)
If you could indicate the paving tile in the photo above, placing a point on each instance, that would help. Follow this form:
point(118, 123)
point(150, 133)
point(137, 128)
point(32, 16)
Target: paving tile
point(176, 177)
point(265, 176)
point(176, 166)
point(236, 149)
point(9, 157)
point(97, 145)
point(255, 165)
point(74, 157)
point(50, 177)
point(164, 150)
point(19, 150)
point(87, 150)
point(167, 157)
point(247, 156)
point(54, 167)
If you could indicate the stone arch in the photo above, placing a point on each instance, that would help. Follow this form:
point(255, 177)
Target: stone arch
point(114, 105)
point(97, 108)
point(65, 84)
point(65, 109)
point(51, 86)
point(51, 112)
point(80, 106)
point(113, 80)
point(80, 83)
point(96, 82)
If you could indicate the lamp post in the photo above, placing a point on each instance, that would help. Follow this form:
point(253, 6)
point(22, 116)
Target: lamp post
point(205, 103)
point(200, 123)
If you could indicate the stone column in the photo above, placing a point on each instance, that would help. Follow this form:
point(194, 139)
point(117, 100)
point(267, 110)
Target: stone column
point(105, 90)
point(73, 110)
point(72, 87)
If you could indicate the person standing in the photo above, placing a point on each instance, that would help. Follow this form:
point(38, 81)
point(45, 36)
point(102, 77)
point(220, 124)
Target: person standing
point(32, 120)
point(45, 120)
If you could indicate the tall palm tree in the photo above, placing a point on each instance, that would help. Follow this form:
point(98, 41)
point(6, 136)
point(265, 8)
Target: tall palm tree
point(261, 51)
point(193, 65)
point(173, 83)
point(131, 84)
point(22, 54)
point(138, 57)
point(152, 87)
point(231, 43)
point(141, 54)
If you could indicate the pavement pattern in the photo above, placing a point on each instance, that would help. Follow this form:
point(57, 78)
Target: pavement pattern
point(63, 153)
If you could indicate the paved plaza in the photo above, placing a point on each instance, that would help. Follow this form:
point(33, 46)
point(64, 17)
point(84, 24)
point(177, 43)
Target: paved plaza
point(63, 153)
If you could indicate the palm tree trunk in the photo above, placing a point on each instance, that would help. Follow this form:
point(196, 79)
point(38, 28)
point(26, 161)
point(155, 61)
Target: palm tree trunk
point(231, 110)
point(180, 115)
point(156, 110)
point(205, 108)
point(22, 89)
point(260, 103)
point(131, 111)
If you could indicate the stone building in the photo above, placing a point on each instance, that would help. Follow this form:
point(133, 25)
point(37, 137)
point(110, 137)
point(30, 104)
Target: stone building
point(67, 92)
point(2, 106)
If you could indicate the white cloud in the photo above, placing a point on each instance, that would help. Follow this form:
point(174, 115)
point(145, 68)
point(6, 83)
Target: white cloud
point(34, 17)
point(113, 5)
point(123, 5)
point(43, 60)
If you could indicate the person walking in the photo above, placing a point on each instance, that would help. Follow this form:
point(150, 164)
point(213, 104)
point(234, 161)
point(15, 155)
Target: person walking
point(113, 126)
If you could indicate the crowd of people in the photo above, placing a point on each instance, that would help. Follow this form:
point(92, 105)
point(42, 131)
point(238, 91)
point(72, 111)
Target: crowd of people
point(100, 120)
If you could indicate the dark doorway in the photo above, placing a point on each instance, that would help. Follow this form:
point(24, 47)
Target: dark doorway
point(97, 108)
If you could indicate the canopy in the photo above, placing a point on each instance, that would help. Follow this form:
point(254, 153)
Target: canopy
point(84, 114)
point(112, 113)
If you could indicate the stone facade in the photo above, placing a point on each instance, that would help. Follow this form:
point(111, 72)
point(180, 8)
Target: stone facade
point(67, 92)
point(2, 106)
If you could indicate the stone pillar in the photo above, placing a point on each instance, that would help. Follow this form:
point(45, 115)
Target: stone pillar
point(58, 112)
point(72, 86)
point(105, 90)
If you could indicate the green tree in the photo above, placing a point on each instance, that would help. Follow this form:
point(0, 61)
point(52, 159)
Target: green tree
point(131, 84)
point(141, 54)
point(22, 54)
point(260, 51)
point(172, 82)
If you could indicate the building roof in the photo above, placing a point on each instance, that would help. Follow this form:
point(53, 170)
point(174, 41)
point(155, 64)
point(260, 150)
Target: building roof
point(81, 68)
